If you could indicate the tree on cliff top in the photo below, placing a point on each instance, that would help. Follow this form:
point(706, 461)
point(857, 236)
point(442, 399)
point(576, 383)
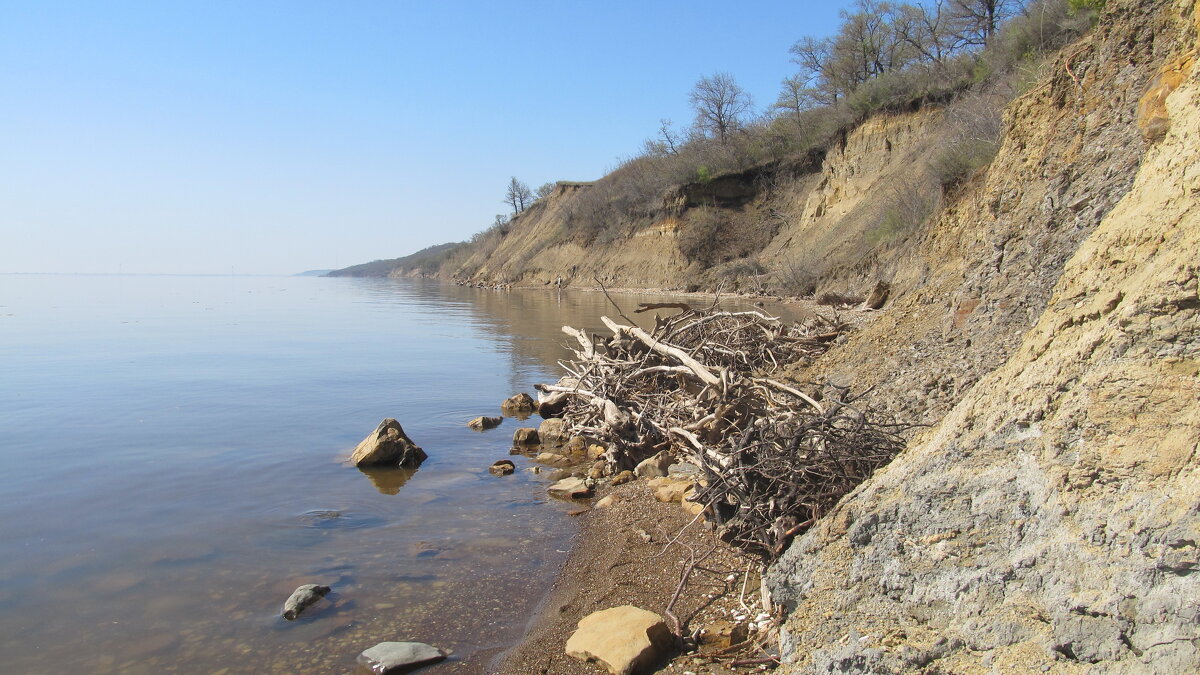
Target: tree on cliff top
point(719, 103)
point(518, 195)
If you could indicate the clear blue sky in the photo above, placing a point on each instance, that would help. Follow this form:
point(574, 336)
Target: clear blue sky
point(274, 137)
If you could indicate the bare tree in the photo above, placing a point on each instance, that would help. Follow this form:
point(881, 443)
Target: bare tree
point(719, 103)
point(545, 190)
point(518, 196)
point(795, 97)
point(928, 30)
point(976, 21)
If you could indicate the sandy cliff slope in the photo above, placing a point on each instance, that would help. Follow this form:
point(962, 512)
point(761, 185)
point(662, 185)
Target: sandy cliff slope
point(1051, 520)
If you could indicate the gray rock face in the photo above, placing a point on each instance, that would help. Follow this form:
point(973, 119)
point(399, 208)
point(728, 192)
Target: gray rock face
point(302, 598)
point(389, 658)
point(389, 445)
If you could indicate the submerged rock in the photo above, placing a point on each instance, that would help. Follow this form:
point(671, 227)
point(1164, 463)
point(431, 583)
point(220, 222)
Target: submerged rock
point(485, 423)
point(623, 639)
point(387, 658)
point(388, 444)
point(302, 598)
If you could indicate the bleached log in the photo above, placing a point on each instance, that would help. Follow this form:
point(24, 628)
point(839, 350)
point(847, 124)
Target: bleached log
point(589, 349)
point(697, 368)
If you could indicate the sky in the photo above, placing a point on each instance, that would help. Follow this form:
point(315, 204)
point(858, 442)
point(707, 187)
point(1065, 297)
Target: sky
point(213, 137)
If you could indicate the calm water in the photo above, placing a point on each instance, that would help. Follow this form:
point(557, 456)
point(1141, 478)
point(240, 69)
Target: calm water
point(173, 457)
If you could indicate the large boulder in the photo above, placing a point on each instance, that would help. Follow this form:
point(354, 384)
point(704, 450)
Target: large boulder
point(388, 444)
point(388, 658)
point(525, 437)
point(624, 639)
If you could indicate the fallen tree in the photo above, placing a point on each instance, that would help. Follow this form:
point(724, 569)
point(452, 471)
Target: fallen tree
point(704, 386)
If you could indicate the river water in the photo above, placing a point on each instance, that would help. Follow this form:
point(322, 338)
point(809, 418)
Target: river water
point(173, 451)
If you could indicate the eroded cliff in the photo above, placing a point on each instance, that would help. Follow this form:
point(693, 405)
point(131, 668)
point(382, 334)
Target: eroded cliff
point(1049, 521)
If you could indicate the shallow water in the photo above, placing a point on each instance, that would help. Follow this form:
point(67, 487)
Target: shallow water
point(173, 452)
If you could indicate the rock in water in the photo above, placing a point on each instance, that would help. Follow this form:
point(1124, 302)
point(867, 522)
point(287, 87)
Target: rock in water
point(520, 404)
point(387, 658)
point(502, 467)
point(301, 598)
point(623, 639)
point(485, 423)
point(388, 444)
point(525, 436)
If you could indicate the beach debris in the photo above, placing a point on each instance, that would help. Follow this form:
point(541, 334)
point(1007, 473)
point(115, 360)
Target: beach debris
point(519, 404)
point(485, 423)
point(302, 598)
point(388, 444)
point(707, 386)
point(623, 639)
point(502, 467)
point(389, 658)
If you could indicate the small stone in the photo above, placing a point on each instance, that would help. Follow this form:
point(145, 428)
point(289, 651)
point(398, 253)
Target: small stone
point(724, 634)
point(607, 502)
point(525, 436)
point(503, 467)
point(623, 639)
point(302, 598)
point(571, 488)
point(655, 466)
point(388, 444)
point(595, 450)
point(484, 423)
point(622, 478)
point(595, 473)
point(387, 658)
point(577, 445)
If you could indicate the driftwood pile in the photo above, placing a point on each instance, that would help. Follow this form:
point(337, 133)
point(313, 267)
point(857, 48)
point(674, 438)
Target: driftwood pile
point(703, 385)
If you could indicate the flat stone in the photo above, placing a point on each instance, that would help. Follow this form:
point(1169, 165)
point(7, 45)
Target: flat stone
point(572, 488)
point(387, 658)
point(607, 502)
point(484, 423)
point(553, 459)
point(388, 444)
point(624, 640)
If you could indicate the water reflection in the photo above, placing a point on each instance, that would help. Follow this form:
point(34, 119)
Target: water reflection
point(388, 480)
